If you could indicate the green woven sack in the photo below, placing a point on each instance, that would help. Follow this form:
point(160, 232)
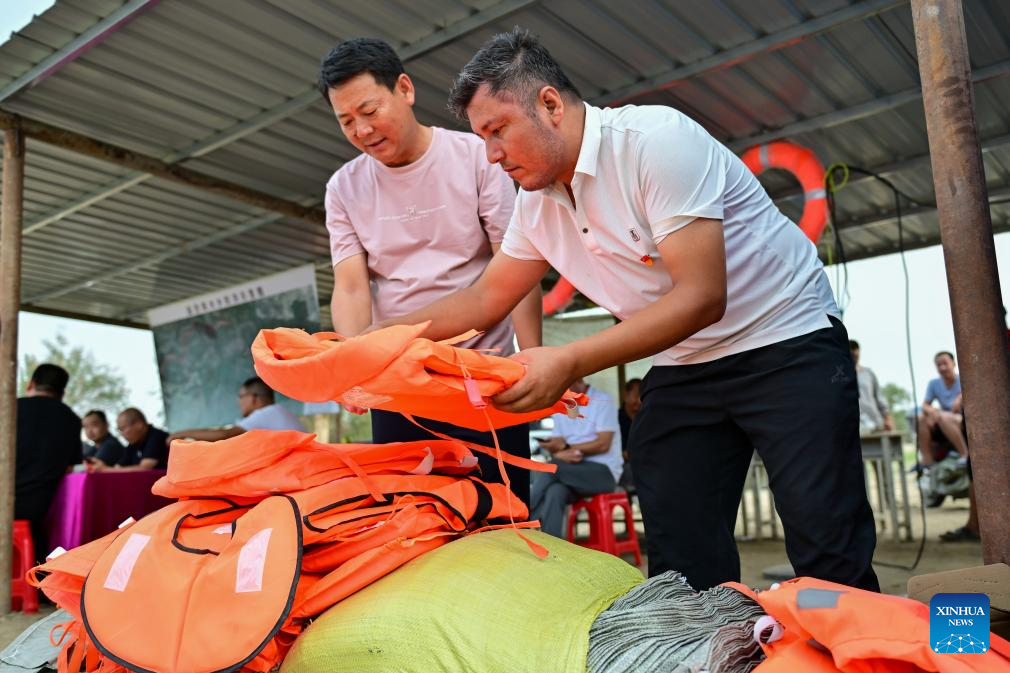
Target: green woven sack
point(482, 603)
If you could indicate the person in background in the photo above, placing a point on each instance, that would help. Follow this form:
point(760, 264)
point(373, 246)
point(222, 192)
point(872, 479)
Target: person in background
point(48, 445)
point(146, 446)
point(936, 424)
point(103, 445)
point(970, 531)
point(587, 452)
point(874, 414)
point(259, 409)
point(630, 404)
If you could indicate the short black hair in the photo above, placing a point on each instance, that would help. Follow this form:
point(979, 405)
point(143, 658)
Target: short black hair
point(631, 383)
point(513, 62)
point(352, 57)
point(133, 415)
point(50, 378)
point(947, 353)
point(99, 414)
point(853, 345)
point(257, 387)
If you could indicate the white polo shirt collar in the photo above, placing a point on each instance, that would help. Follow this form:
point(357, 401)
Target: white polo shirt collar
point(589, 152)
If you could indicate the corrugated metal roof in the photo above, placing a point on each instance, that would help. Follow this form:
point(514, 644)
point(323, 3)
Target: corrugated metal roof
point(226, 88)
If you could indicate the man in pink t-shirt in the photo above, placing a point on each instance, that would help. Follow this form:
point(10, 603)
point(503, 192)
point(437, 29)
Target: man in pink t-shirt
point(416, 217)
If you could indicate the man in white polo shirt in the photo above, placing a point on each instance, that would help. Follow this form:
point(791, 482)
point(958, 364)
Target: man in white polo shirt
point(259, 409)
point(587, 451)
point(653, 219)
point(415, 217)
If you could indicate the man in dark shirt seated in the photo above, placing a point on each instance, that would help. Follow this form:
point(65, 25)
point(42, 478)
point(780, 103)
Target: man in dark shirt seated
point(103, 446)
point(48, 446)
point(146, 447)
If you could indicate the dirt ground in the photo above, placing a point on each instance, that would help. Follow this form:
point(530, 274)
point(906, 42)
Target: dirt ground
point(756, 556)
point(938, 556)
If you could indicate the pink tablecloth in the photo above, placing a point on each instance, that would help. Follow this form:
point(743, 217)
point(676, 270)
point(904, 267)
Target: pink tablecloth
point(87, 506)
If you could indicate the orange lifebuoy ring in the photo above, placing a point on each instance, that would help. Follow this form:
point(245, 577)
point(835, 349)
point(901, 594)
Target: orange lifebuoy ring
point(803, 163)
point(558, 297)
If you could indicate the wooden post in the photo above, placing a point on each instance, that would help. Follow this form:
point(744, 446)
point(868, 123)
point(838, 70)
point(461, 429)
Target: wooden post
point(970, 257)
point(10, 301)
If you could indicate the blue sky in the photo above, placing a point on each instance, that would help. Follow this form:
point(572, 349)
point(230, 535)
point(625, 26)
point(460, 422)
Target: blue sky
point(874, 315)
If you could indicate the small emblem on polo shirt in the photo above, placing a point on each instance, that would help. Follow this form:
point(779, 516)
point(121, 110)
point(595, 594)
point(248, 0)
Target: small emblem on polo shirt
point(634, 236)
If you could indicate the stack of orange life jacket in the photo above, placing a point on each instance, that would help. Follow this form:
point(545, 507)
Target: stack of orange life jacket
point(227, 577)
point(273, 527)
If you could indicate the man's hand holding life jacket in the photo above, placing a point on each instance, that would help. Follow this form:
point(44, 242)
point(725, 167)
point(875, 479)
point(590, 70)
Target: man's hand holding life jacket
point(549, 373)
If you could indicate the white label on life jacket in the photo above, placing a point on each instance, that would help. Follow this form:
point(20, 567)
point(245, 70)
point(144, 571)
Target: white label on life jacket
point(251, 560)
point(424, 467)
point(122, 567)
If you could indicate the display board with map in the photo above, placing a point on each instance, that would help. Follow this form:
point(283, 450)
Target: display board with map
point(202, 344)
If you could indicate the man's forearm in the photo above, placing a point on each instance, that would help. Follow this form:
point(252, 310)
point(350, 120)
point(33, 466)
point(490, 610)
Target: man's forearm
point(208, 434)
point(453, 315)
point(144, 464)
point(592, 447)
point(351, 312)
point(527, 318)
point(664, 323)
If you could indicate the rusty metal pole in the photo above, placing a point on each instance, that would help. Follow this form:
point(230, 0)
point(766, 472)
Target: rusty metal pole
point(970, 258)
point(10, 303)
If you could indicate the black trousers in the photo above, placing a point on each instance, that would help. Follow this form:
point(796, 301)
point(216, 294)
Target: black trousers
point(796, 403)
point(34, 507)
point(388, 426)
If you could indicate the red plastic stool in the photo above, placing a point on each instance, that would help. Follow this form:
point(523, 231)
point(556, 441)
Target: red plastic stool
point(23, 561)
point(601, 525)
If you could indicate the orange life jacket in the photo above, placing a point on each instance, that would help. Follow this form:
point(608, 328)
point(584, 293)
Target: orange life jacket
point(259, 463)
point(394, 369)
point(816, 626)
point(149, 600)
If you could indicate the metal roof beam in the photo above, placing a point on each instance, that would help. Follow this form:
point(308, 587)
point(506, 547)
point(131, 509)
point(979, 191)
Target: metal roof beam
point(867, 109)
point(768, 43)
point(796, 195)
point(880, 219)
point(866, 252)
point(138, 314)
point(73, 315)
point(175, 251)
point(97, 149)
point(284, 110)
point(86, 40)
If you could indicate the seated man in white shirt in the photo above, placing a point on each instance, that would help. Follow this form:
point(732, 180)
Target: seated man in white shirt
point(259, 409)
point(587, 452)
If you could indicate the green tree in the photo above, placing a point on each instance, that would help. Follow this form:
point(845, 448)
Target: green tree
point(356, 428)
point(93, 385)
point(898, 400)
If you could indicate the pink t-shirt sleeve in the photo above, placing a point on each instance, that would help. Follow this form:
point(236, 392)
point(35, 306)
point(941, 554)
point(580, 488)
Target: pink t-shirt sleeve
point(344, 240)
point(495, 200)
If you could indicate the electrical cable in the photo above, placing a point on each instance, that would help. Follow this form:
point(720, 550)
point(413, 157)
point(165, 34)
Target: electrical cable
point(832, 187)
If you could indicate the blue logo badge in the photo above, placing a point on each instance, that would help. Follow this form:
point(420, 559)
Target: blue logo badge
point(959, 623)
